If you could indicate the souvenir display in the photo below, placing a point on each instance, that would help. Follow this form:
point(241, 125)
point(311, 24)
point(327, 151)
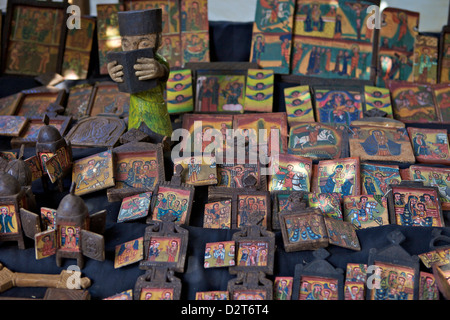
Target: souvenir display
point(301, 156)
point(259, 90)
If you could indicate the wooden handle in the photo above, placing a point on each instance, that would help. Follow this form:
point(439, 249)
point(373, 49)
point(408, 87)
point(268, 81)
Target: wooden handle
point(63, 280)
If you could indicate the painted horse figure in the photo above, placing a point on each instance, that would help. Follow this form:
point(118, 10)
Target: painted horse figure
point(324, 135)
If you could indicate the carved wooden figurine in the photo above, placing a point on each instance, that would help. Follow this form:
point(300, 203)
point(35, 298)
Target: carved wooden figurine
point(141, 71)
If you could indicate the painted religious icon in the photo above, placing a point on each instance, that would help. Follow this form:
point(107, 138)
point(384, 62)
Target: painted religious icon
point(220, 92)
point(333, 19)
point(272, 35)
point(69, 238)
point(252, 253)
point(442, 98)
point(364, 211)
point(8, 220)
point(396, 282)
point(318, 288)
point(232, 175)
point(34, 105)
point(93, 173)
point(35, 165)
point(202, 129)
point(342, 234)
point(430, 145)
point(134, 207)
point(380, 144)
point(171, 200)
point(249, 295)
point(156, 294)
point(220, 254)
point(340, 176)
point(217, 215)
point(265, 128)
point(124, 295)
point(411, 206)
point(375, 179)
point(298, 105)
point(12, 125)
point(259, 90)
point(164, 249)
point(250, 205)
point(9, 104)
point(356, 272)
point(45, 244)
point(316, 141)
point(338, 106)
point(38, 31)
point(77, 51)
point(136, 170)
point(290, 172)
point(440, 257)
point(106, 98)
point(30, 133)
point(328, 203)
point(378, 98)
point(78, 101)
point(128, 253)
point(444, 48)
point(198, 170)
point(332, 59)
point(303, 230)
point(428, 289)
point(195, 46)
point(179, 91)
point(354, 291)
point(413, 102)
point(48, 218)
point(399, 30)
point(433, 177)
point(425, 59)
point(212, 295)
point(282, 289)
point(108, 36)
point(56, 165)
